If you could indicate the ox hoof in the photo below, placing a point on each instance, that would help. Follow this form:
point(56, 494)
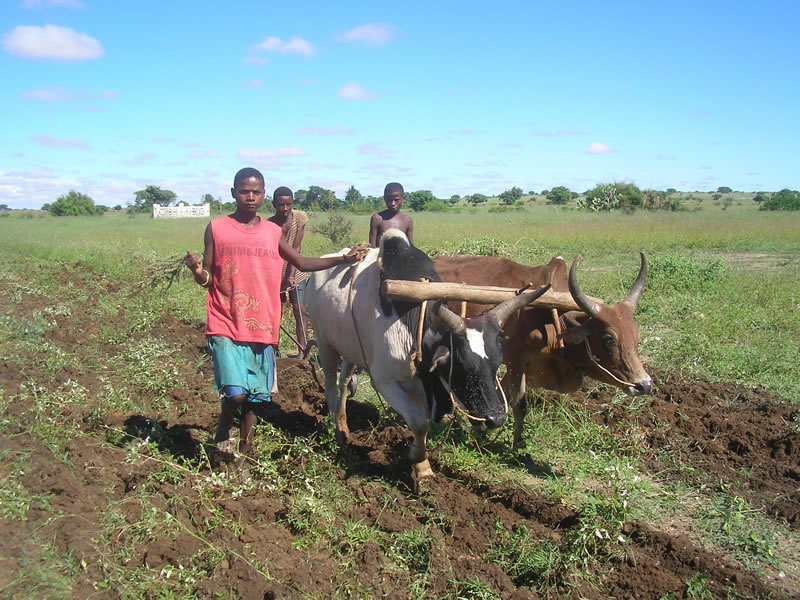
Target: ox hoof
point(342, 436)
point(421, 475)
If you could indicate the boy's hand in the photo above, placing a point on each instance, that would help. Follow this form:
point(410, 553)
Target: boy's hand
point(358, 253)
point(194, 262)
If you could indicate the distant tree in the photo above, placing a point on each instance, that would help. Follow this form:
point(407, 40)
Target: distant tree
point(509, 197)
point(418, 199)
point(626, 196)
point(786, 199)
point(603, 197)
point(152, 194)
point(672, 191)
point(353, 196)
point(531, 193)
point(320, 198)
point(362, 205)
point(74, 204)
point(559, 195)
point(454, 199)
point(544, 193)
point(760, 197)
point(206, 199)
point(46, 206)
point(716, 197)
point(300, 198)
point(476, 199)
point(724, 190)
point(118, 207)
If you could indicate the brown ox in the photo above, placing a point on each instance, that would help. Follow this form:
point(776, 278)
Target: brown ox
point(600, 341)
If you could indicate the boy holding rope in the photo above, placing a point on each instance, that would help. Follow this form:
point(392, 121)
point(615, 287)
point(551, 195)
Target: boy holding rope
point(292, 224)
point(241, 268)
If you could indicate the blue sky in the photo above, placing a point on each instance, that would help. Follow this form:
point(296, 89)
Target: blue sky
point(106, 97)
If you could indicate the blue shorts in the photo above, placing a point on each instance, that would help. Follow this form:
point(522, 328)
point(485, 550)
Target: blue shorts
point(243, 368)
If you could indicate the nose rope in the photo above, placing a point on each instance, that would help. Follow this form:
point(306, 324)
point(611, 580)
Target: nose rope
point(457, 407)
point(593, 358)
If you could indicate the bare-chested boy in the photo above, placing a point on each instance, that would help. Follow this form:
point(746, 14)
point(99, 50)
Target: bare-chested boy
point(391, 218)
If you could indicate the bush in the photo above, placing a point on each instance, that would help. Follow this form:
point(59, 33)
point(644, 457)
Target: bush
point(338, 229)
point(74, 204)
point(436, 206)
point(786, 199)
point(678, 272)
point(484, 246)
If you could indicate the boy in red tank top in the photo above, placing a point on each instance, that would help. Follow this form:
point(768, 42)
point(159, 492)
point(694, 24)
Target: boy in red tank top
point(241, 267)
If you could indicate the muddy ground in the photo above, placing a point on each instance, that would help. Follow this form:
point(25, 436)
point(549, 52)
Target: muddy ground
point(734, 436)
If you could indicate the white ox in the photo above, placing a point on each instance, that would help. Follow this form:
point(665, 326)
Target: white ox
point(352, 320)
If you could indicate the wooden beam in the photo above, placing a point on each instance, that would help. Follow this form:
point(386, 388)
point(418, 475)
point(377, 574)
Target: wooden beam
point(417, 291)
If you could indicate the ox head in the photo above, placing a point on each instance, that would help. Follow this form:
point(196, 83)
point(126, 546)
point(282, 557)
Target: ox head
point(606, 345)
point(464, 356)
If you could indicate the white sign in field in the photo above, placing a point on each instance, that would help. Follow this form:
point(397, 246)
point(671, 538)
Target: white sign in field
point(180, 211)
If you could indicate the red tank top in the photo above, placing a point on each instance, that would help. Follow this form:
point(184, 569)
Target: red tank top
point(243, 300)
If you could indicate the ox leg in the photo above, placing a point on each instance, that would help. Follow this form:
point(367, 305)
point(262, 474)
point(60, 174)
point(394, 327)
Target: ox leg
point(329, 361)
point(408, 400)
point(514, 386)
point(345, 375)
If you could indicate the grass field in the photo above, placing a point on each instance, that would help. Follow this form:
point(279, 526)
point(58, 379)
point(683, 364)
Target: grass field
point(92, 357)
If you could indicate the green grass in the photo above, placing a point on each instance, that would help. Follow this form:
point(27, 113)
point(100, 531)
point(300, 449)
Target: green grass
point(711, 309)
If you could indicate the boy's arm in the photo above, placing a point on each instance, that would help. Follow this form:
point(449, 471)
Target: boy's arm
point(307, 264)
point(374, 222)
point(201, 269)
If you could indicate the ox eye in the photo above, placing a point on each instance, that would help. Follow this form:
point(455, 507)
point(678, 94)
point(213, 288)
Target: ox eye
point(609, 341)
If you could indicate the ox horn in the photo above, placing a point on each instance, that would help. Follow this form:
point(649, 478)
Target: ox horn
point(590, 308)
point(638, 286)
point(451, 320)
point(503, 311)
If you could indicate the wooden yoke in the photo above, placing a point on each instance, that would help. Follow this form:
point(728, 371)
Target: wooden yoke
point(417, 291)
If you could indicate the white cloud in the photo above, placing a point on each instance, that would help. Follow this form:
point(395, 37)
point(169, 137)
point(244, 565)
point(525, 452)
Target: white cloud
point(376, 34)
point(57, 93)
point(46, 140)
point(51, 42)
point(353, 91)
point(294, 45)
point(598, 148)
point(144, 158)
point(375, 150)
point(54, 93)
point(246, 154)
point(324, 131)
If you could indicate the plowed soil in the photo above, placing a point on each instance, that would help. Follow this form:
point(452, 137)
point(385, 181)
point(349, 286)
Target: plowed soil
point(739, 437)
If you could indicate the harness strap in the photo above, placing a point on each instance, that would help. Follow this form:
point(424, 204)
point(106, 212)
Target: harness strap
point(593, 358)
point(416, 356)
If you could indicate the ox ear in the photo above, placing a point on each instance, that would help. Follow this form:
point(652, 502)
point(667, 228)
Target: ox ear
point(575, 335)
point(440, 357)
